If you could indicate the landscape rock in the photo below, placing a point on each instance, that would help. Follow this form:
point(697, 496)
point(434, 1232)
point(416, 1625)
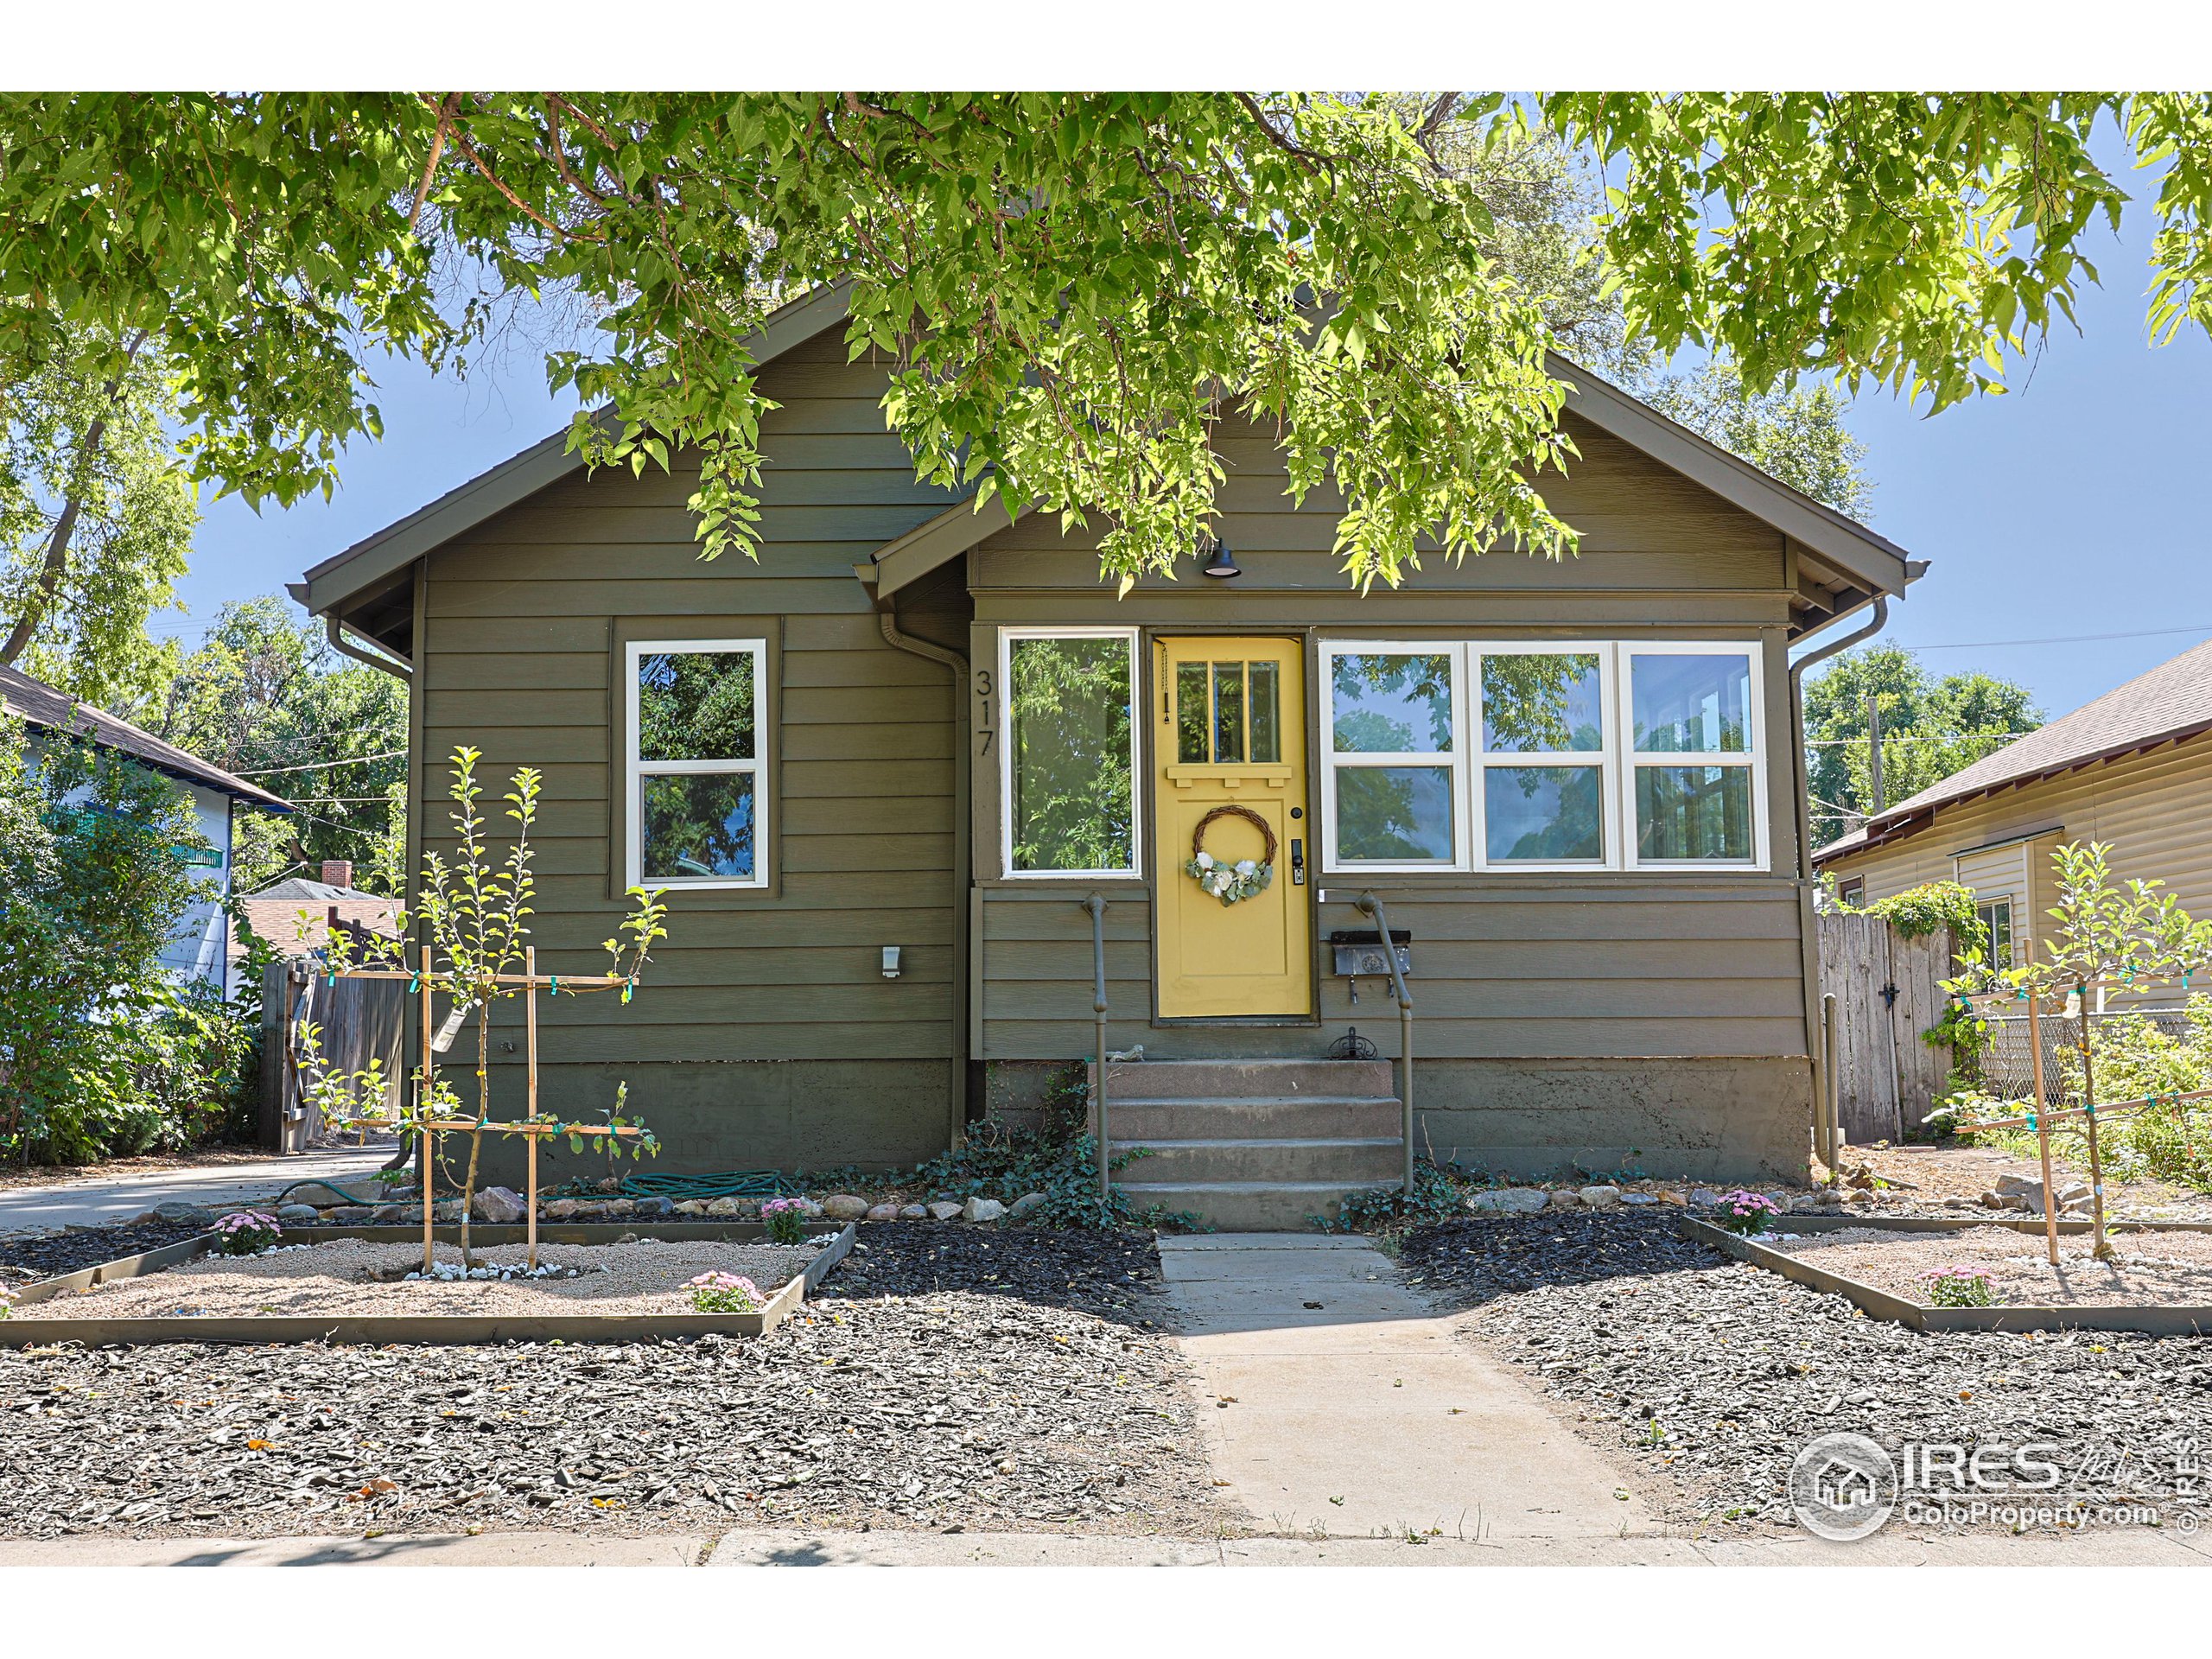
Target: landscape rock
point(178, 1209)
point(810, 1208)
point(982, 1210)
point(913, 1212)
point(655, 1205)
point(691, 1206)
point(1600, 1198)
point(1024, 1206)
point(944, 1209)
point(844, 1206)
point(562, 1209)
point(1679, 1199)
point(884, 1212)
point(1566, 1198)
point(727, 1206)
point(300, 1215)
point(501, 1206)
point(1509, 1200)
point(396, 1215)
point(1704, 1197)
point(1639, 1200)
point(350, 1215)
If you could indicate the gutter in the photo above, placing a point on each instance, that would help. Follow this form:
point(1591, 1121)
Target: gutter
point(334, 629)
point(962, 812)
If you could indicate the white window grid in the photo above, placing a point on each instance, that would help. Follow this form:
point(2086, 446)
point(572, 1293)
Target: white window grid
point(1469, 761)
point(1007, 637)
point(635, 771)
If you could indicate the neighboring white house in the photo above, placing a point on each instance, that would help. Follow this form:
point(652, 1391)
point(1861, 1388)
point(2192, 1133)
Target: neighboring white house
point(200, 947)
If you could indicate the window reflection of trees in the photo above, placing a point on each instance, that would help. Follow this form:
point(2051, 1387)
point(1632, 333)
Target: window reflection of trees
point(1074, 799)
point(695, 706)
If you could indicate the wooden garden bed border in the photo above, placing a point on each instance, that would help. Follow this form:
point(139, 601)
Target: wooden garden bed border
point(374, 1329)
point(2178, 1319)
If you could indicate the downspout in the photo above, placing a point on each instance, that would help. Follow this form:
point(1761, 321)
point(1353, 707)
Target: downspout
point(963, 809)
point(1826, 1129)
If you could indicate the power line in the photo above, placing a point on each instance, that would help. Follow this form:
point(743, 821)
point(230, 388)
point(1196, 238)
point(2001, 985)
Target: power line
point(1905, 737)
point(2060, 640)
point(321, 766)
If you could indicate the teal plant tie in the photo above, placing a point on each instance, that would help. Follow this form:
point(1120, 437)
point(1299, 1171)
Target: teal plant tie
point(413, 979)
point(553, 985)
point(628, 986)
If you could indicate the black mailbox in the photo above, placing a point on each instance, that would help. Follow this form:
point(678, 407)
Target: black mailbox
point(1360, 952)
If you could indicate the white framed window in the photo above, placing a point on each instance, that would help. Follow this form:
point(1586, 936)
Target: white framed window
point(1068, 753)
point(1995, 915)
point(1690, 713)
point(695, 763)
point(1540, 755)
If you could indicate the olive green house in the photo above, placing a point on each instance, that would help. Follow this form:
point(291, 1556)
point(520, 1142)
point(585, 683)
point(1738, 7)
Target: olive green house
point(881, 772)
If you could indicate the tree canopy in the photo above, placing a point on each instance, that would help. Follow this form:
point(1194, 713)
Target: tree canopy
point(1931, 727)
point(264, 691)
point(96, 518)
point(1067, 287)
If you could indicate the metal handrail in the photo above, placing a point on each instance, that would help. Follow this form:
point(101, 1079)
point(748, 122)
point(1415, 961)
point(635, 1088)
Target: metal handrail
point(1368, 905)
point(1096, 904)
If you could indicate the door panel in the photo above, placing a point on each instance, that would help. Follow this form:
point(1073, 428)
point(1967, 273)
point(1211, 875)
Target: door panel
point(1231, 732)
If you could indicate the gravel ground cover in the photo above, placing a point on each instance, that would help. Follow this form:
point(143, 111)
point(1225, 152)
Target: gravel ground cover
point(1932, 1179)
point(48, 1255)
point(2149, 1269)
point(1713, 1373)
point(938, 1389)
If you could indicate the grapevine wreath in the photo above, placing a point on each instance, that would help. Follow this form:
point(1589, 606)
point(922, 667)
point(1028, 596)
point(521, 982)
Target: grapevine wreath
point(1231, 883)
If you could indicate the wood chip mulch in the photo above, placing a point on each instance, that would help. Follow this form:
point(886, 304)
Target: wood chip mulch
point(956, 1379)
point(1713, 1373)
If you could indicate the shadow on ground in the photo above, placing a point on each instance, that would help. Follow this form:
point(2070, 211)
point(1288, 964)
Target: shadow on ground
point(1482, 1257)
point(1110, 1275)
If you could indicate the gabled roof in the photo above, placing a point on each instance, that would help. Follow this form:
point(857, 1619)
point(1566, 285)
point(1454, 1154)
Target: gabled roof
point(351, 583)
point(1840, 563)
point(2172, 702)
point(40, 705)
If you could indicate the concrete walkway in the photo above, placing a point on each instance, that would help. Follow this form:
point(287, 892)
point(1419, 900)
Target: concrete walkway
point(98, 1200)
point(1338, 1405)
point(794, 1547)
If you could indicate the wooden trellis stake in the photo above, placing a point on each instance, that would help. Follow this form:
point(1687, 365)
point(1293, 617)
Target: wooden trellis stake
point(529, 1021)
point(2043, 1129)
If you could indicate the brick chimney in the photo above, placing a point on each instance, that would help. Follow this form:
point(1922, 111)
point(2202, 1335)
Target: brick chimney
point(338, 872)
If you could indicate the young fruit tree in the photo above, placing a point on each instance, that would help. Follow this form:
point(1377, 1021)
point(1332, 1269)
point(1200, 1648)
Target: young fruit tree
point(2107, 938)
point(471, 915)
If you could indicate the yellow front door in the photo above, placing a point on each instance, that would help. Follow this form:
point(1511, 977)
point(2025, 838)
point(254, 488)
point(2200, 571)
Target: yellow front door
point(1231, 733)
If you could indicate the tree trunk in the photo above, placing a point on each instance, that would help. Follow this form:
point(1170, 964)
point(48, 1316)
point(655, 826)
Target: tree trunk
point(65, 523)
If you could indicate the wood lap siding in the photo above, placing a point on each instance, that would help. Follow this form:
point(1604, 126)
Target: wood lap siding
point(1572, 972)
point(1676, 965)
point(520, 661)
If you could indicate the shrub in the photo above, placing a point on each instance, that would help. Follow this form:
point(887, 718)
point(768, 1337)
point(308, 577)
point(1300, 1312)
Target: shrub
point(785, 1220)
point(1747, 1212)
point(1959, 1287)
point(246, 1232)
point(1439, 1194)
point(724, 1293)
point(100, 1052)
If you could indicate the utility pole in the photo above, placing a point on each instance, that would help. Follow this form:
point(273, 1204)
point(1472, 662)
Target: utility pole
point(1874, 755)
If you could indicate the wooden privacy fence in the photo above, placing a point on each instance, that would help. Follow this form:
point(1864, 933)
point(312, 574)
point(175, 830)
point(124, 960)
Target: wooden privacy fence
point(1885, 989)
point(357, 1020)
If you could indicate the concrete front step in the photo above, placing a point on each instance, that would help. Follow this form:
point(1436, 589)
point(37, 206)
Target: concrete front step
point(1273, 1116)
point(1248, 1206)
point(1156, 1080)
point(1299, 1162)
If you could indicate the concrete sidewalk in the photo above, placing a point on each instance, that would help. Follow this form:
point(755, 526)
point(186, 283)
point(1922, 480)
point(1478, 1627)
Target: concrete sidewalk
point(795, 1548)
point(95, 1200)
point(1338, 1405)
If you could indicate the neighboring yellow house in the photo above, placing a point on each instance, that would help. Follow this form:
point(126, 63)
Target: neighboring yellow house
point(2132, 769)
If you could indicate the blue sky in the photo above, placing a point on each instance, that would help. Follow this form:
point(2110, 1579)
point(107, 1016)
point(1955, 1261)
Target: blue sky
point(2075, 504)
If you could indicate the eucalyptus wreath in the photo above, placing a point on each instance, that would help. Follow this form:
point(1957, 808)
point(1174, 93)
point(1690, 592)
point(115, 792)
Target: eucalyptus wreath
point(1231, 883)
